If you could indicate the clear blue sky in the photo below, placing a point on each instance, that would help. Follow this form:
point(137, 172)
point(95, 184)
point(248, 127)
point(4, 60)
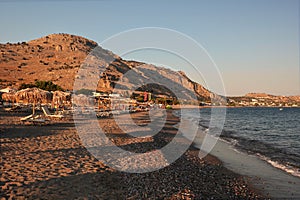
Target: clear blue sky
point(255, 43)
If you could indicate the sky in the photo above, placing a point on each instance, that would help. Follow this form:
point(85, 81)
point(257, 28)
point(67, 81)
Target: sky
point(254, 43)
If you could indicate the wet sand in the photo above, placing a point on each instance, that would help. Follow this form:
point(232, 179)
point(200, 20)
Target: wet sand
point(276, 183)
point(50, 162)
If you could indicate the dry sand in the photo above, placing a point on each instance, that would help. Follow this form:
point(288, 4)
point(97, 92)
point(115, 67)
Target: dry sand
point(50, 162)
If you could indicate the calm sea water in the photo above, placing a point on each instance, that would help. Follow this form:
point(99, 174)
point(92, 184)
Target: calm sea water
point(271, 133)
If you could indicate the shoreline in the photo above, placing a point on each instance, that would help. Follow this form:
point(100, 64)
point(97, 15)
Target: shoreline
point(271, 180)
point(176, 107)
point(50, 162)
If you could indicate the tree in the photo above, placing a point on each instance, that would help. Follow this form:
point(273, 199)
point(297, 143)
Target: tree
point(44, 85)
point(84, 91)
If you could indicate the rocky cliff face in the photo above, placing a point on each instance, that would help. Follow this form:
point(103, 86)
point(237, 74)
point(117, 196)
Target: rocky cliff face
point(58, 57)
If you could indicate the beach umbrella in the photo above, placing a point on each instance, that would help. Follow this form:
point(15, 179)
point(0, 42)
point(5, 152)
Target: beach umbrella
point(61, 98)
point(34, 96)
point(9, 97)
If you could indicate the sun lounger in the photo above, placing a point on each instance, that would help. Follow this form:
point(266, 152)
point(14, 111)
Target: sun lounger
point(38, 121)
point(35, 119)
point(26, 118)
point(12, 109)
point(48, 114)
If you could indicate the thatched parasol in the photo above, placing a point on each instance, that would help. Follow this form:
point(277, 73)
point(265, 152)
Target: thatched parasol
point(61, 98)
point(9, 97)
point(34, 96)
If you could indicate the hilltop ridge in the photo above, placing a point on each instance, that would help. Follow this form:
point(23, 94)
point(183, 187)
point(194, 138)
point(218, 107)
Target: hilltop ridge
point(58, 57)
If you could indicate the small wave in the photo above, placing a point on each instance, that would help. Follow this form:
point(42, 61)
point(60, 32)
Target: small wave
point(289, 169)
point(231, 141)
point(240, 145)
point(263, 151)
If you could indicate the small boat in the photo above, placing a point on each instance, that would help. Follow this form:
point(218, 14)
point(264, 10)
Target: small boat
point(280, 109)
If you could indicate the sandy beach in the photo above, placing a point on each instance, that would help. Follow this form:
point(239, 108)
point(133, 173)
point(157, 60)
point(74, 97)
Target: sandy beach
point(50, 162)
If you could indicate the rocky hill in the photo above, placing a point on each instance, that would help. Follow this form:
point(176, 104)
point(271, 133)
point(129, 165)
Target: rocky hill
point(58, 57)
point(55, 57)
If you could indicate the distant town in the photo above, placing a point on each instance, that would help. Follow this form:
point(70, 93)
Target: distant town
point(264, 100)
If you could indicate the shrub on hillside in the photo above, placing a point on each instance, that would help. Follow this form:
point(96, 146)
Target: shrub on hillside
point(84, 91)
point(44, 85)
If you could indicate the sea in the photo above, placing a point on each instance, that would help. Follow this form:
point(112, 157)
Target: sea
point(272, 134)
